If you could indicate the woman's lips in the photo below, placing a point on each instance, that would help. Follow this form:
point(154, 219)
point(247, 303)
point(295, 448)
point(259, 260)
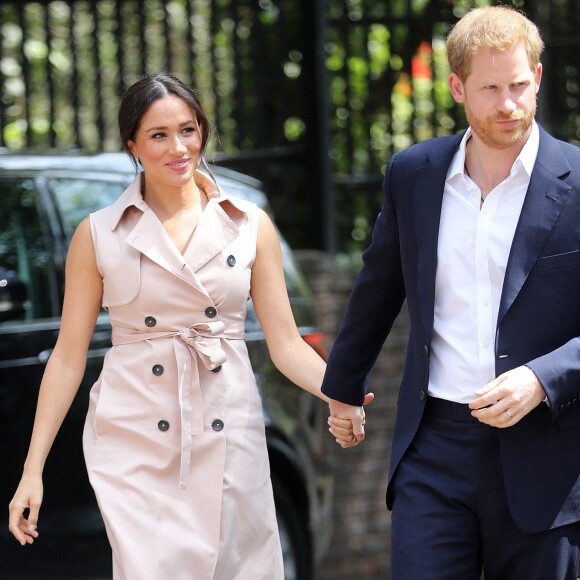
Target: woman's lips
point(177, 165)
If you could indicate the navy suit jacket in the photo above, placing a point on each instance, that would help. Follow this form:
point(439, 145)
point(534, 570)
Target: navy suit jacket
point(538, 322)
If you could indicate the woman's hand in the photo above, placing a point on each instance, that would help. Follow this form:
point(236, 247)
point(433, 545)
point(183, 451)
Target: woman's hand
point(347, 422)
point(27, 496)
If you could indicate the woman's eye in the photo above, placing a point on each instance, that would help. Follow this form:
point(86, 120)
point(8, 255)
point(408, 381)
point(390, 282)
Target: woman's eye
point(189, 130)
point(157, 135)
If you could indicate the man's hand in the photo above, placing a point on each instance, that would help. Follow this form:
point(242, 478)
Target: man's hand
point(506, 400)
point(347, 422)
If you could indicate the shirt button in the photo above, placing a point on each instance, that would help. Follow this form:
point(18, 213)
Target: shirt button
point(163, 425)
point(210, 312)
point(231, 261)
point(217, 369)
point(217, 425)
point(157, 370)
point(150, 321)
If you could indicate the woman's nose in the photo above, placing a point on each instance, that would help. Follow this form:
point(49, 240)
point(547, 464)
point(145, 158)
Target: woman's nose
point(177, 144)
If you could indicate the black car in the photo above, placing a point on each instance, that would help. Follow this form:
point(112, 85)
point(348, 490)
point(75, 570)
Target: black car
point(42, 200)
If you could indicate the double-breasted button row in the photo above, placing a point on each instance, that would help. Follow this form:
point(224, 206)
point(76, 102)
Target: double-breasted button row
point(231, 260)
point(157, 370)
point(210, 312)
point(150, 321)
point(217, 425)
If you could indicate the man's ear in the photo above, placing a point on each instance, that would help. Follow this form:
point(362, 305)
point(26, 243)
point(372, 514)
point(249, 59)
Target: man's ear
point(538, 76)
point(456, 88)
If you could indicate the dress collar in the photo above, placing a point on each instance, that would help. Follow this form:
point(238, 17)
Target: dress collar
point(132, 197)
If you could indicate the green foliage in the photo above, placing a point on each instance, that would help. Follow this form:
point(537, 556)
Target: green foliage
point(385, 59)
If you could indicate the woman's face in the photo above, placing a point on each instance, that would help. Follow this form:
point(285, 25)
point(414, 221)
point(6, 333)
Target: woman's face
point(168, 142)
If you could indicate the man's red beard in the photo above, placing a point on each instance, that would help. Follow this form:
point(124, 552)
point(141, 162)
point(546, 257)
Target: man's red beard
point(495, 136)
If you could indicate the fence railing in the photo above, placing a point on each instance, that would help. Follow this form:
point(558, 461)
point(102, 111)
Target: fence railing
point(311, 96)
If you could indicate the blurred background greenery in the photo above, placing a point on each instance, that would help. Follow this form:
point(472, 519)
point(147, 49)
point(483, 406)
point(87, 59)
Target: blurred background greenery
point(310, 96)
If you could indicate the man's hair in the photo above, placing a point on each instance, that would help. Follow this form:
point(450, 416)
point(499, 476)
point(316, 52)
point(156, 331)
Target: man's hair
point(494, 27)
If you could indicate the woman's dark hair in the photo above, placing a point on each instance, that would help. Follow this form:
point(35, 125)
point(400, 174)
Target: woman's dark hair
point(142, 94)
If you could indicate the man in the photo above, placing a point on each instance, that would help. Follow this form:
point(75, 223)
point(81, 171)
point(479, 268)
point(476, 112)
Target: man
point(480, 233)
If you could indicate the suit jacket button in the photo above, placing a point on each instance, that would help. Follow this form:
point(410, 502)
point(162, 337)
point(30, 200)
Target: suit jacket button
point(422, 395)
point(231, 261)
point(157, 370)
point(217, 369)
point(163, 425)
point(426, 349)
point(210, 312)
point(150, 321)
point(217, 425)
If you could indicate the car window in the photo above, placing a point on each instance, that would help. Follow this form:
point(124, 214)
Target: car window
point(76, 198)
point(26, 274)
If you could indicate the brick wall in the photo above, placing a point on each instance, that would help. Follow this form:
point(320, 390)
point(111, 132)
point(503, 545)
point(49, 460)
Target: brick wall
point(360, 544)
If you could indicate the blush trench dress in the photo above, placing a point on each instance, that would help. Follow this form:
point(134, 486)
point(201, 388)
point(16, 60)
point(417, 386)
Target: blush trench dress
point(174, 439)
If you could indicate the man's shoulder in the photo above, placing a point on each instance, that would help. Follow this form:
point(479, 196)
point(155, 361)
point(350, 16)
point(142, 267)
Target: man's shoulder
point(558, 157)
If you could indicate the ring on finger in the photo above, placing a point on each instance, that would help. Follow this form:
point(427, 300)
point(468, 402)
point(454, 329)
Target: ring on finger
point(509, 414)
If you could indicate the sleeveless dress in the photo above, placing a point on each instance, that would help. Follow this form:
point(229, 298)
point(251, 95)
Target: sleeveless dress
point(174, 439)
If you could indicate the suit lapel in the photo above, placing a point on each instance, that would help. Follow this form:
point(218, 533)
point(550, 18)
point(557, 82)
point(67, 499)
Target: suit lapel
point(544, 201)
point(428, 197)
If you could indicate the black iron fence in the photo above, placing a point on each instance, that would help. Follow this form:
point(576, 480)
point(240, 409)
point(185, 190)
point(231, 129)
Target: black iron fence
point(310, 96)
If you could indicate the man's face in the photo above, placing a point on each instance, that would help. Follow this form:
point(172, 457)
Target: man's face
point(499, 96)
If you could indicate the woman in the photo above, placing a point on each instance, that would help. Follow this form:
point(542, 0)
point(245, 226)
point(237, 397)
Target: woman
point(174, 437)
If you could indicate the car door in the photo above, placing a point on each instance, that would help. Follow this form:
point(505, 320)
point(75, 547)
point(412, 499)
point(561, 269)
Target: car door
point(34, 236)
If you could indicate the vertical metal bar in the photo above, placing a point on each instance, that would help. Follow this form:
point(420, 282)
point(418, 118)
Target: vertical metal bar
point(282, 98)
point(119, 38)
point(539, 13)
point(25, 73)
point(98, 77)
point(363, 117)
point(258, 46)
point(167, 36)
point(49, 78)
point(191, 42)
point(344, 29)
point(142, 35)
point(238, 109)
point(324, 203)
point(74, 88)
point(214, 66)
point(2, 86)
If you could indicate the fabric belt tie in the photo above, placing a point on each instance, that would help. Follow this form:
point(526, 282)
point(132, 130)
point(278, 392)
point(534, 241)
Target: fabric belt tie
point(201, 341)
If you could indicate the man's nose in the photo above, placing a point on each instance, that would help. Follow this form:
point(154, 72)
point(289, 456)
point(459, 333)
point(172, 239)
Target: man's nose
point(508, 102)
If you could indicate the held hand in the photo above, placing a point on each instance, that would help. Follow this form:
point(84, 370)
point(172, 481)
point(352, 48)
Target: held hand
point(347, 422)
point(506, 400)
point(27, 496)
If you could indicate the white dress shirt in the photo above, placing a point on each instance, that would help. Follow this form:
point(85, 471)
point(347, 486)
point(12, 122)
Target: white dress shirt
point(472, 253)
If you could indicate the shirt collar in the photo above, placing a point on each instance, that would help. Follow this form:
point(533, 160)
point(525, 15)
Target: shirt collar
point(132, 197)
point(525, 160)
